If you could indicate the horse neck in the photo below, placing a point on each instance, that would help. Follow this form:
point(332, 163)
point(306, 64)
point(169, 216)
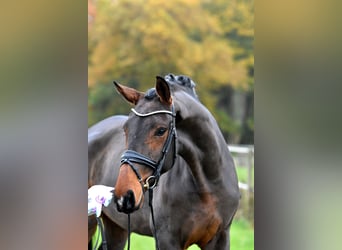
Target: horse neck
point(202, 146)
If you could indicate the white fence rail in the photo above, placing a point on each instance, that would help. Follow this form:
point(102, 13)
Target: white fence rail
point(244, 157)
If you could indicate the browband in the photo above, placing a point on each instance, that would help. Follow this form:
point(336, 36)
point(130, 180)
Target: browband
point(153, 113)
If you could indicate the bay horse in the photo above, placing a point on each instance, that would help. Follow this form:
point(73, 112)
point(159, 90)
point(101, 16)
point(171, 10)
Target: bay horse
point(172, 143)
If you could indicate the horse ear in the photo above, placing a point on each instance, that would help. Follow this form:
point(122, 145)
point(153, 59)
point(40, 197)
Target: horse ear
point(131, 95)
point(163, 90)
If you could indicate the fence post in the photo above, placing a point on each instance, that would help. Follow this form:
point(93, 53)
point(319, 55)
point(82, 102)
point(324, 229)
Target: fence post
point(250, 194)
point(247, 200)
point(250, 156)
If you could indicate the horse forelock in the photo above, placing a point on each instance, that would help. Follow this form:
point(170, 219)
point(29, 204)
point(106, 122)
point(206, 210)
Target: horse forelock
point(150, 94)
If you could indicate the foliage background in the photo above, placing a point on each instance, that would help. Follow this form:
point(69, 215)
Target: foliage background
point(132, 41)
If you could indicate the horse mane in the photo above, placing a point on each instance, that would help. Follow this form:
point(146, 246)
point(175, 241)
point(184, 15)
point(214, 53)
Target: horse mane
point(176, 83)
point(182, 82)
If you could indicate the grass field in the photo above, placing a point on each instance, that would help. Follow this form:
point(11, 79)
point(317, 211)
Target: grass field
point(242, 173)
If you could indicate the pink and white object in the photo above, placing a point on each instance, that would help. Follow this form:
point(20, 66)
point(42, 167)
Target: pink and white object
point(99, 195)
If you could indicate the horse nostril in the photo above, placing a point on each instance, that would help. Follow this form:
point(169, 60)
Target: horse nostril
point(126, 203)
point(130, 201)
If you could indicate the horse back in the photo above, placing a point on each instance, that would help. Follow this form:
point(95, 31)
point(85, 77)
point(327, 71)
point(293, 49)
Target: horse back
point(106, 142)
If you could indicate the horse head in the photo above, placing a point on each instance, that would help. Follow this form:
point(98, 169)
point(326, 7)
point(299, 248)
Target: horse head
point(150, 141)
point(181, 82)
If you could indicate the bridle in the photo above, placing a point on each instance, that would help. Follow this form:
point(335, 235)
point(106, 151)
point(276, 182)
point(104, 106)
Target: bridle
point(132, 157)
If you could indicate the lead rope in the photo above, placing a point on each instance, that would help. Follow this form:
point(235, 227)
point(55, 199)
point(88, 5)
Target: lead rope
point(150, 196)
point(129, 232)
point(104, 242)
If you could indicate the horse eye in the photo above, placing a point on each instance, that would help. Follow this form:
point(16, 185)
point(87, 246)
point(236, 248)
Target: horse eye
point(160, 131)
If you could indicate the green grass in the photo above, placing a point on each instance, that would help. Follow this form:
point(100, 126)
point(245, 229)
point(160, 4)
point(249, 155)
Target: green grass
point(242, 174)
point(241, 238)
point(241, 235)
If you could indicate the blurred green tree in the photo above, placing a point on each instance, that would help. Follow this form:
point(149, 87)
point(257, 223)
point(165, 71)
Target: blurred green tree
point(132, 41)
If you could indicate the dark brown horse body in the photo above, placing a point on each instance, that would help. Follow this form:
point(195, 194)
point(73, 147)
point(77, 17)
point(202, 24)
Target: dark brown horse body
point(196, 197)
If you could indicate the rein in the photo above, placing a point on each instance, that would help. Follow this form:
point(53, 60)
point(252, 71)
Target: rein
point(130, 157)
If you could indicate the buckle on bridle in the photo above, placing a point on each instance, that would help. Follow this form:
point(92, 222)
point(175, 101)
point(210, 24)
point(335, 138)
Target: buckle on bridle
point(151, 182)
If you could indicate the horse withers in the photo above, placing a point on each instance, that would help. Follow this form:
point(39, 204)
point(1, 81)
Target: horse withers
point(170, 141)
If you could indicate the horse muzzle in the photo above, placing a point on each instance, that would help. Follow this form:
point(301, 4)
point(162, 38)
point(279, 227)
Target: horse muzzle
point(126, 203)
